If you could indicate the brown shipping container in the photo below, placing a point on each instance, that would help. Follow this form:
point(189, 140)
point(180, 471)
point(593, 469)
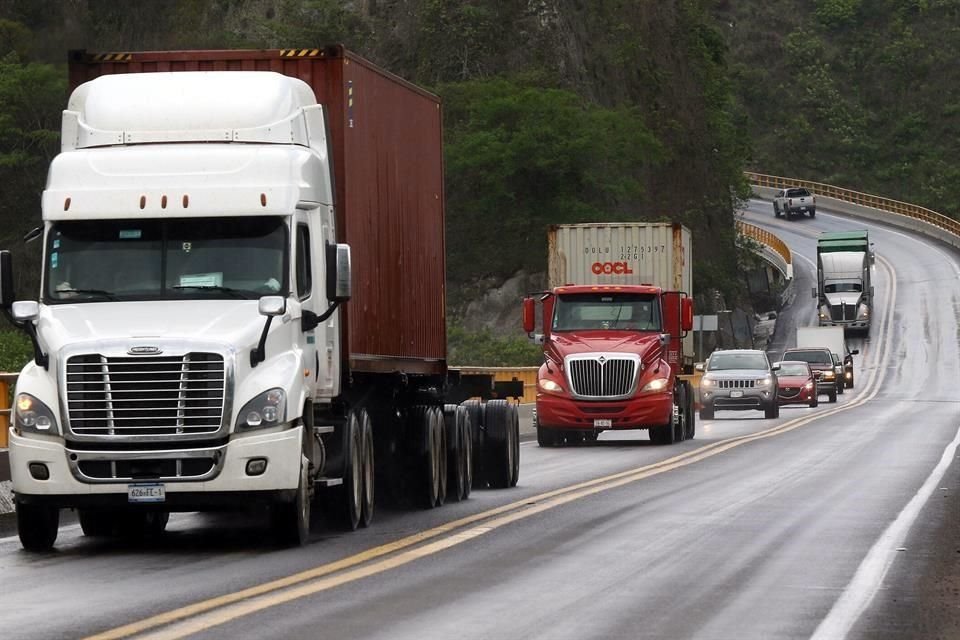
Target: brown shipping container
point(388, 167)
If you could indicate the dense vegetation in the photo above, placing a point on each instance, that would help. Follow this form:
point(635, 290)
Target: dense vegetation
point(564, 111)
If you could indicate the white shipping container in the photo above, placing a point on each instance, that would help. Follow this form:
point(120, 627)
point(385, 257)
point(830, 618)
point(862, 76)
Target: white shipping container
point(656, 253)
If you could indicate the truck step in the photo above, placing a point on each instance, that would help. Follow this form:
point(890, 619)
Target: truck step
point(328, 482)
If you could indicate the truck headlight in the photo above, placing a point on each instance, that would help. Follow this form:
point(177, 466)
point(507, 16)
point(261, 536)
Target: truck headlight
point(549, 386)
point(824, 312)
point(657, 384)
point(266, 410)
point(828, 375)
point(29, 414)
point(863, 312)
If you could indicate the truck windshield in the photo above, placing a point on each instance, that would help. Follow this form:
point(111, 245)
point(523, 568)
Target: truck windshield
point(623, 311)
point(842, 287)
point(97, 260)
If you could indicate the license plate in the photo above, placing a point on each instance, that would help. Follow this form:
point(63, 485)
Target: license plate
point(153, 492)
point(736, 393)
point(602, 422)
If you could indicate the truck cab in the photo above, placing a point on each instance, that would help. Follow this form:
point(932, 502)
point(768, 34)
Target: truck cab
point(612, 360)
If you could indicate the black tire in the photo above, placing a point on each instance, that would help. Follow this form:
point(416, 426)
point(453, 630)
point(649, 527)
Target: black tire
point(440, 434)
point(290, 520)
point(574, 438)
point(466, 440)
point(833, 395)
point(840, 388)
point(772, 411)
point(691, 413)
point(140, 525)
point(498, 449)
point(776, 210)
point(456, 470)
point(546, 437)
point(706, 412)
point(367, 462)
point(514, 443)
point(347, 499)
point(813, 213)
point(97, 523)
point(662, 435)
point(681, 423)
point(426, 430)
point(815, 402)
point(37, 526)
point(849, 383)
point(477, 412)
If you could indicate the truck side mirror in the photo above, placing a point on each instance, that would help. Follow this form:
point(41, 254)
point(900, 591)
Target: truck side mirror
point(698, 367)
point(6, 280)
point(272, 306)
point(339, 275)
point(813, 292)
point(529, 315)
point(686, 314)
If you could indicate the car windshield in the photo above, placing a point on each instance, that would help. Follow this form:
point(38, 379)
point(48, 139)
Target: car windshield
point(617, 311)
point(793, 369)
point(842, 287)
point(236, 257)
point(726, 361)
point(813, 356)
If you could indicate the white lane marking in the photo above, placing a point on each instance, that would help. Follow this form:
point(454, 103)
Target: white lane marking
point(866, 582)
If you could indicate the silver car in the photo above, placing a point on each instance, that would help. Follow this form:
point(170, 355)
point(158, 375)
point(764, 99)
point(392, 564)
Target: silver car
point(738, 379)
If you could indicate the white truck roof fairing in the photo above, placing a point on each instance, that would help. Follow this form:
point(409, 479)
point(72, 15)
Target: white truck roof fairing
point(846, 265)
point(185, 180)
point(192, 106)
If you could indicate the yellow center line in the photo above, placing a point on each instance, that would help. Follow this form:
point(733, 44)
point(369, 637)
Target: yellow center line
point(222, 609)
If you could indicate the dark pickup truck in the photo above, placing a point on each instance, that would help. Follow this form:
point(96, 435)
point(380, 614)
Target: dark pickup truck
point(821, 362)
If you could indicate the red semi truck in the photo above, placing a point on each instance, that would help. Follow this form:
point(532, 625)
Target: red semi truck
point(615, 323)
point(243, 300)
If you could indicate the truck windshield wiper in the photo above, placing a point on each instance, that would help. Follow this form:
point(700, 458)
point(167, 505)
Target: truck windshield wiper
point(236, 293)
point(109, 295)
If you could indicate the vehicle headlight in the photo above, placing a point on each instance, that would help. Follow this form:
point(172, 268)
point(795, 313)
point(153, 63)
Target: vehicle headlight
point(764, 382)
point(824, 312)
point(266, 410)
point(829, 374)
point(808, 386)
point(550, 386)
point(863, 311)
point(706, 382)
point(657, 384)
point(29, 414)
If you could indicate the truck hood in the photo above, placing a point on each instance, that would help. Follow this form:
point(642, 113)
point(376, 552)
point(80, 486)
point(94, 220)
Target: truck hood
point(575, 342)
point(236, 322)
point(848, 297)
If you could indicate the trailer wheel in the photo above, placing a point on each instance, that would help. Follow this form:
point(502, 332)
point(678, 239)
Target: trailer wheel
point(367, 462)
point(466, 455)
point(428, 458)
point(347, 499)
point(291, 520)
point(477, 412)
point(37, 526)
point(440, 435)
point(499, 444)
point(453, 417)
point(515, 440)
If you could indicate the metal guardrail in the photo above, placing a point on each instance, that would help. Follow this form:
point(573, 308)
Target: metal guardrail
point(779, 252)
point(510, 374)
point(916, 212)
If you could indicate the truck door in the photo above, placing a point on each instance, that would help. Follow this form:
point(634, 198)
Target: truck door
point(307, 274)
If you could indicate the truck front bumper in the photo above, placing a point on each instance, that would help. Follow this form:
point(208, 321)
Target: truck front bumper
point(649, 410)
point(232, 485)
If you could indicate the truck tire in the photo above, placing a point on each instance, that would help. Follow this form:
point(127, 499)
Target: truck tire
point(466, 453)
point(772, 411)
point(442, 469)
point(680, 426)
point(546, 437)
point(662, 435)
point(515, 442)
point(691, 421)
point(346, 501)
point(499, 447)
point(833, 395)
point(140, 525)
point(456, 471)
point(574, 438)
point(37, 526)
point(367, 460)
point(841, 387)
point(428, 466)
point(290, 521)
point(706, 412)
point(477, 412)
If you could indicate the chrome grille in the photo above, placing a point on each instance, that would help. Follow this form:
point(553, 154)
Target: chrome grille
point(735, 384)
point(602, 377)
point(843, 312)
point(147, 395)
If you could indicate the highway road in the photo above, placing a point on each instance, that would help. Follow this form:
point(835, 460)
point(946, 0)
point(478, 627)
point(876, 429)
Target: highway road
point(819, 524)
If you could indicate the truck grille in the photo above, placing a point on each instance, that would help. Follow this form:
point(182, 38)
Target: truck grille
point(602, 377)
point(735, 384)
point(843, 312)
point(155, 395)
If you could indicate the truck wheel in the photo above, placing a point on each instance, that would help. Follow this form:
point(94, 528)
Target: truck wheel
point(347, 499)
point(369, 470)
point(706, 412)
point(477, 412)
point(691, 420)
point(453, 426)
point(833, 395)
point(772, 411)
point(138, 525)
point(546, 437)
point(515, 442)
point(97, 523)
point(440, 434)
point(466, 450)
point(662, 435)
point(429, 435)
point(680, 413)
point(291, 520)
point(37, 526)
point(574, 437)
point(499, 448)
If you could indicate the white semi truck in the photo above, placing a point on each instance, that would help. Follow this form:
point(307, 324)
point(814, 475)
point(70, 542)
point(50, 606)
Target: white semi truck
point(844, 291)
point(194, 347)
